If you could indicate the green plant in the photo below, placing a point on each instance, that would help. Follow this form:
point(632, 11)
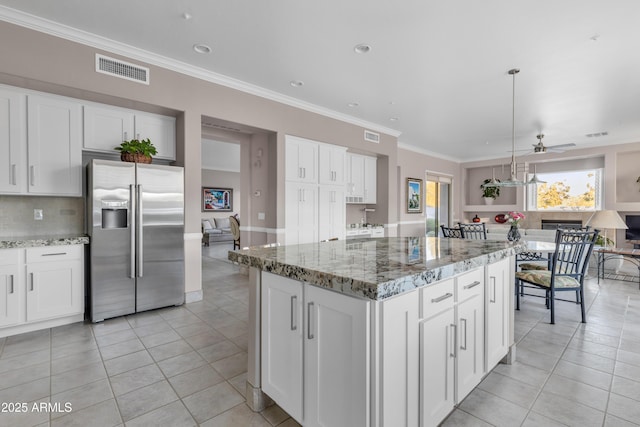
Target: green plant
point(137, 146)
point(491, 192)
point(603, 241)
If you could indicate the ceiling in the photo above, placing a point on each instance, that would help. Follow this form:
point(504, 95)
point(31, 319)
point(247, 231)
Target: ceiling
point(436, 72)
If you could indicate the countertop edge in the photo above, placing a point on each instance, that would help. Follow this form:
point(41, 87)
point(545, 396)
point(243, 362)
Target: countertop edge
point(34, 242)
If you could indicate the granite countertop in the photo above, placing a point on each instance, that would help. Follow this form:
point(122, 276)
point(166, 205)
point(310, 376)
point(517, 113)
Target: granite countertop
point(36, 241)
point(376, 268)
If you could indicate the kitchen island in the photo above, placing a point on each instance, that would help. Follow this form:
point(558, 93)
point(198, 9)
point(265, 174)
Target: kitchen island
point(376, 332)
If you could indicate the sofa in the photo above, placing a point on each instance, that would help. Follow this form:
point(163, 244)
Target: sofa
point(216, 230)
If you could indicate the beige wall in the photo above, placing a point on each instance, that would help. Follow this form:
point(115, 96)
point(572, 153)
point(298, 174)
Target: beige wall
point(41, 62)
point(413, 164)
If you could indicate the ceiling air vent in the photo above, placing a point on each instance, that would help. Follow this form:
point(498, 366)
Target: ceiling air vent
point(371, 136)
point(122, 69)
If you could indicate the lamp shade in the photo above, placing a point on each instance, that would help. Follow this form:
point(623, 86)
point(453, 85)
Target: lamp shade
point(606, 219)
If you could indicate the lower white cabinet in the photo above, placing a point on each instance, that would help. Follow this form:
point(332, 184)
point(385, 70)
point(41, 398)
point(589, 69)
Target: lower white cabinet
point(315, 344)
point(499, 280)
point(331, 212)
point(301, 213)
point(51, 288)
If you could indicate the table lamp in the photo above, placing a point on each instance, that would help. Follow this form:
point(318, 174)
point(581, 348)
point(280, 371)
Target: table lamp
point(603, 220)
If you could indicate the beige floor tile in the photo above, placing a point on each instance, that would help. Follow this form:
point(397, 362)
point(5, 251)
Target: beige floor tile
point(174, 414)
point(195, 380)
point(212, 401)
point(146, 399)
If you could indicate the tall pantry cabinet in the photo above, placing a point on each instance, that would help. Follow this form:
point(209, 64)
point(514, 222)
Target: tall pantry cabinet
point(314, 191)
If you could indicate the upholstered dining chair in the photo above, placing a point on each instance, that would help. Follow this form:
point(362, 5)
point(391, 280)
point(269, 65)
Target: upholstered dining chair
point(567, 270)
point(473, 231)
point(449, 232)
point(235, 231)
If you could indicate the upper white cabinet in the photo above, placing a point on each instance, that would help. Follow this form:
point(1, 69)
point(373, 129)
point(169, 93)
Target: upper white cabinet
point(301, 156)
point(54, 129)
point(332, 164)
point(105, 127)
point(361, 178)
point(13, 152)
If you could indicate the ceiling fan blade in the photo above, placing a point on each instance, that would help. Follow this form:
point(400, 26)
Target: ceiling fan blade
point(571, 144)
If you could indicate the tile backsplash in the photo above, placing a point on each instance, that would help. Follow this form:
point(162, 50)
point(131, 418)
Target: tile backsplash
point(61, 216)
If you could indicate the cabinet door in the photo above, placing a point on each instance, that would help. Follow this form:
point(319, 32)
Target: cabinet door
point(54, 289)
point(470, 364)
point(54, 129)
point(370, 177)
point(497, 316)
point(301, 213)
point(301, 160)
point(106, 127)
point(437, 361)
point(336, 369)
point(355, 186)
point(331, 164)
point(331, 212)
point(13, 155)
point(282, 330)
point(11, 289)
point(161, 130)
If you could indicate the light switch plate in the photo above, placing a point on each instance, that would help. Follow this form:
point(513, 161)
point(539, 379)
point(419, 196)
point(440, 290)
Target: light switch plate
point(37, 214)
point(261, 216)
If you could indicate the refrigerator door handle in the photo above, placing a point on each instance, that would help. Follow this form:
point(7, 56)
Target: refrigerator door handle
point(139, 255)
point(132, 231)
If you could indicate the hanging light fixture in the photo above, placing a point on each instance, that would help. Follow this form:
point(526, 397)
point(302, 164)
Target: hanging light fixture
point(534, 179)
point(513, 179)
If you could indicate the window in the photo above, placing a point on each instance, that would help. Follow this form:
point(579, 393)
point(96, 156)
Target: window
point(437, 203)
point(569, 190)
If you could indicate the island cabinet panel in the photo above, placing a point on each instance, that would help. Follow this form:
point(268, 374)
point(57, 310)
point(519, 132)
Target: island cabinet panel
point(399, 361)
point(437, 352)
point(497, 316)
point(282, 342)
point(315, 353)
point(11, 288)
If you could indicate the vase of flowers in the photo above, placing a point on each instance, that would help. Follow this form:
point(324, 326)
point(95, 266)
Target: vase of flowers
point(514, 219)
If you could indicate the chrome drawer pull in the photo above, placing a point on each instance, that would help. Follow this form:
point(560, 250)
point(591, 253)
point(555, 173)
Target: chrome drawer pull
point(442, 298)
point(55, 254)
point(472, 285)
point(293, 314)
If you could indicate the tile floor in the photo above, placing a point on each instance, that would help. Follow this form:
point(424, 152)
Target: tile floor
point(187, 365)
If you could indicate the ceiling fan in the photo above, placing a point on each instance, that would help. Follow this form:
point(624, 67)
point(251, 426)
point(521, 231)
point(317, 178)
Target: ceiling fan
point(540, 148)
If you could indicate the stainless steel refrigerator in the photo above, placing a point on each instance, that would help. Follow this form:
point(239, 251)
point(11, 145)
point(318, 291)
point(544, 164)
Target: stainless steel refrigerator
point(136, 225)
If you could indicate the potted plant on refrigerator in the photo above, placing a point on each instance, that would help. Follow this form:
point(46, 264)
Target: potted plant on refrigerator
point(137, 150)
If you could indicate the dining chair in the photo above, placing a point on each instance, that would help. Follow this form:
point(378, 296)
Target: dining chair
point(450, 232)
point(567, 271)
point(235, 231)
point(473, 231)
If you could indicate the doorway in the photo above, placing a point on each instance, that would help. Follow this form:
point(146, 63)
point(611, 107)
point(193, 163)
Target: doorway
point(437, 203)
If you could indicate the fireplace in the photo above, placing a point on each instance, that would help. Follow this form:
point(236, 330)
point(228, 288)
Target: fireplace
point(554, 224)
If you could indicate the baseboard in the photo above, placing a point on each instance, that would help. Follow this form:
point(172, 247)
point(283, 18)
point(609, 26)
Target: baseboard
point(193, 296)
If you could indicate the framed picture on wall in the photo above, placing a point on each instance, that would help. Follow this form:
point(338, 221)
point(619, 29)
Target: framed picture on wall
point(217, 199)
point(414, 195)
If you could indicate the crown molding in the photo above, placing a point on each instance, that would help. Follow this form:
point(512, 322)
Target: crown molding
point(52, 28)
point(420, 150)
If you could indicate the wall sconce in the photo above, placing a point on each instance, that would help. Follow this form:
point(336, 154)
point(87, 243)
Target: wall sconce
point(638, 180)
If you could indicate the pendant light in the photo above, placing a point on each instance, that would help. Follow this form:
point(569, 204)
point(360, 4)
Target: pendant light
point(513, 179)
point(534, 179)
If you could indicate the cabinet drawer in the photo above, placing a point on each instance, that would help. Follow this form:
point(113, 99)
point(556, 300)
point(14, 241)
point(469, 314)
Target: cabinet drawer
point(436, 298)
point(470, 283)
point(54, 253)
point(10, 256)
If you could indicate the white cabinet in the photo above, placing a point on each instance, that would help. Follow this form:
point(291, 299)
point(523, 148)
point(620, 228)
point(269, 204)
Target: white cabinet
point(331, 212)
point(361, 178)
point(301, 158)
point(55, 285)
point(301, 213)
point(51, 292)
point(54, 129)
point(332, 159)
point(470, 332)
point(11, 288)
point(499, 282)
point(105, 127)
point(437, 352)
point(282, 342)
point(13, 154)
point(315, 341)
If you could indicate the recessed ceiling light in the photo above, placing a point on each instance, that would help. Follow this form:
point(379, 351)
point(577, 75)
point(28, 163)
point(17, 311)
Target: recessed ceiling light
point(186, 16)
point(201, 48)
point(394, 119)
point(353, 104)
point(296, 83)
point(362, 48)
